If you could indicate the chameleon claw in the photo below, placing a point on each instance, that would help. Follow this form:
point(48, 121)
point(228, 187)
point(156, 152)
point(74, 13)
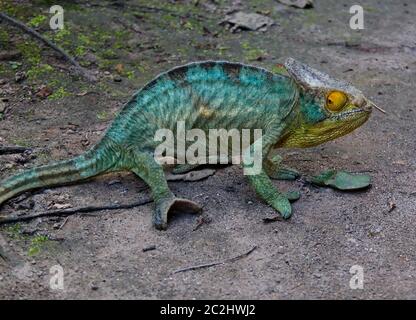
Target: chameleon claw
point(172, 205)
point(282, 205)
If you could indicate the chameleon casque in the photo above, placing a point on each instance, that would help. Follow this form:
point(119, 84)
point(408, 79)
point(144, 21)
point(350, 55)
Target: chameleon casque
point(295, 107)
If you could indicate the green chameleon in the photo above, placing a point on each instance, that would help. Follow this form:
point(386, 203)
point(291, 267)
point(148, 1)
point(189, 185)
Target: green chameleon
point(295, 107)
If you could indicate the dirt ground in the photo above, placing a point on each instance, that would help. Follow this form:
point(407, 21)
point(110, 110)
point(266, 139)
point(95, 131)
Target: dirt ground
point(60, 115)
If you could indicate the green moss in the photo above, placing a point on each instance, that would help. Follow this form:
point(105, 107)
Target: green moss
point(130, 74)
point(36, 21)
point(4, 38)
point(30, 51)
point(103, 115)
point(61, 37)
point(20, 142)
point(38, 70)
point(105, 64)
point(59, 94)
point(37, 244)
point(14, 231)
point(80, 51)
point(109, 54)
point(251, 53)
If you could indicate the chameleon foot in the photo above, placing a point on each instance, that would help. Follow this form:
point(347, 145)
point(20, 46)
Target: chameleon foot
point(275, 170)
point(171, 205)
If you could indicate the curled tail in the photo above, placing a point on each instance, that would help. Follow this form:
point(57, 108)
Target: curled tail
point(100, 159)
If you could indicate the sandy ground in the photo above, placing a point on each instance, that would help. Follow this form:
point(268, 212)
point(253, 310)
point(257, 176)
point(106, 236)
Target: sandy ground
point(306, 257)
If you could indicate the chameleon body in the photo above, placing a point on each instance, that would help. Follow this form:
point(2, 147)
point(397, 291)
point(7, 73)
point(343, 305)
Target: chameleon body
point(296, 107)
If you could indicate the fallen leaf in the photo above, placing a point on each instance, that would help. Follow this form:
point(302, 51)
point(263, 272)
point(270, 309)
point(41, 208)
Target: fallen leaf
point(119, 68)
point(247, 21)
point(342, 180)
point(44, 92)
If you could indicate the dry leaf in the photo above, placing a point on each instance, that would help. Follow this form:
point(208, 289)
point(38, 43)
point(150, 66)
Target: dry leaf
point(44, 92)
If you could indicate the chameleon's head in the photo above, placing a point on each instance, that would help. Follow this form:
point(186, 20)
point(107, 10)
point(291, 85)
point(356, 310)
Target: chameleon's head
point(328, 108)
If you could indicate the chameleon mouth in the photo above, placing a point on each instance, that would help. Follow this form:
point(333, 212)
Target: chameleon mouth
point(353, 114)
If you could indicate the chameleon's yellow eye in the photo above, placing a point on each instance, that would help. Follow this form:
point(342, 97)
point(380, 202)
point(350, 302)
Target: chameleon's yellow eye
point(336, 100)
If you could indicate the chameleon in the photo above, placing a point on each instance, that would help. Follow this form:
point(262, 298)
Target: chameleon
point(295, 106)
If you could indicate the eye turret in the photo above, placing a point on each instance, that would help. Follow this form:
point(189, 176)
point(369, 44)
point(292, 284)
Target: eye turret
point(336, 100)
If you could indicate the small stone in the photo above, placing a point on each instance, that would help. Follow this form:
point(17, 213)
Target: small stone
point(281, 250)
point(94, 287)
point(19, 76)
point(117, 79)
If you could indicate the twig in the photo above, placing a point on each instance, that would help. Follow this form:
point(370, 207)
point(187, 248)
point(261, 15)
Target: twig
point(212, 264)
point(12, 149)
point(63, 223)
point(67, 212)
point(149, 248)
point(49, 43)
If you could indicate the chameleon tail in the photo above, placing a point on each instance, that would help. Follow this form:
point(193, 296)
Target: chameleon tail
point(98, 160)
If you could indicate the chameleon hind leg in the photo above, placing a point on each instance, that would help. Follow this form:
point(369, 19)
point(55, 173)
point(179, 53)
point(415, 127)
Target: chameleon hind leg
point(165, 201)
point(261, 182)
point(274, 169)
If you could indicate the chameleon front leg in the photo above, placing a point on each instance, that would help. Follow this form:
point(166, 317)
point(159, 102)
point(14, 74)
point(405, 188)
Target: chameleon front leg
point(262, 183)
point(165, 201)
point(274, 169)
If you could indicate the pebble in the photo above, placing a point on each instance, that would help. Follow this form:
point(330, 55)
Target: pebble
point(94, 287)
point(19, 76)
